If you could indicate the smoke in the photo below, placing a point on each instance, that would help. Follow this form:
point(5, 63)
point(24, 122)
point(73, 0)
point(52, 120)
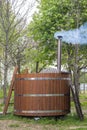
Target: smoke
point(75, 36)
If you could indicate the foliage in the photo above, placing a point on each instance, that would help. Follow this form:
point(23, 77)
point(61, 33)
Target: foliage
point(12, 36)
point(83, 78)
point(56, 16)
point(1, 93)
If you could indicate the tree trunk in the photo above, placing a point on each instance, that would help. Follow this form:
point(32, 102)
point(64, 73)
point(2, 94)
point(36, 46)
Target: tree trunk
point(18, 64)
point(77, 103)
point(5, 76)
point(76, 75)
point(18, 60)
point(75, 92)
point(37, 67)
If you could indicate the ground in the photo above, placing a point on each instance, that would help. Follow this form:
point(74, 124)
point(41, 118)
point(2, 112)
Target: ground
point(19, 125)
point(12, 123)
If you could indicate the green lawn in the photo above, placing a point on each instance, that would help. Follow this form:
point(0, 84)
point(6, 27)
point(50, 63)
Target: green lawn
point(68, 122)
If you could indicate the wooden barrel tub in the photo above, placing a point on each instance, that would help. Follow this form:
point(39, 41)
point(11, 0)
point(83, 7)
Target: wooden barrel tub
point(42, 94)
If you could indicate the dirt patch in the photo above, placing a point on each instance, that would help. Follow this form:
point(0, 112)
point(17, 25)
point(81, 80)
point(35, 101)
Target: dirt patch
point(74, 128)
point(19, 125)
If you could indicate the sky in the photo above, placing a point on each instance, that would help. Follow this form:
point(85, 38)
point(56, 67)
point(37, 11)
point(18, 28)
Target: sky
point(26, 5)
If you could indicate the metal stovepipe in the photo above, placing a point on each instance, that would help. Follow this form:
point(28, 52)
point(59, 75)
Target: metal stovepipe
point(59, 54)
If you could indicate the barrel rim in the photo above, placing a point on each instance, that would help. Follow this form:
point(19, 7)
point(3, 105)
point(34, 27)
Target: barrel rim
point(38, 74)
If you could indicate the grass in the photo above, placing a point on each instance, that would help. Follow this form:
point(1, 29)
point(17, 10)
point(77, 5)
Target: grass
point(14, 125)
point(68, 122)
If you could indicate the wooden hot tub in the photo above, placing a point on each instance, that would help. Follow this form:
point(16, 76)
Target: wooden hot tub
point(42, 94)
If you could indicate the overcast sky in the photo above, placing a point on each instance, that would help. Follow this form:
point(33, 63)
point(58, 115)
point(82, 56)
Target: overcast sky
point(27, 4)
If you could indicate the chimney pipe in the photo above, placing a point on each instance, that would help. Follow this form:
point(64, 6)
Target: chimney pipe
point(59, 54)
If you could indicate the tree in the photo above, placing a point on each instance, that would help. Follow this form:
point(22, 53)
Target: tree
point(56, 16)
point(12, 26)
